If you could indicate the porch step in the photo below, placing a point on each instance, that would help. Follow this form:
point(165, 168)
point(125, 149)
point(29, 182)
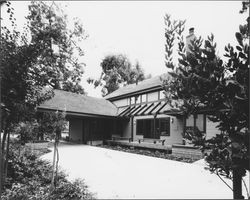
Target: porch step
point(186, 151)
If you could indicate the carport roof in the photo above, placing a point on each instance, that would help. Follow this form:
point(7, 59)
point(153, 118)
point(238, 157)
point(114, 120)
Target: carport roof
point(79, 104)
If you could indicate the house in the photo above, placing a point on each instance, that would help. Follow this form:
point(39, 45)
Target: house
point(136, 112)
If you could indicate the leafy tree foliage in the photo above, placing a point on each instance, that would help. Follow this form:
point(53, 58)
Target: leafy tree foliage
point(31, 64)
point(117, 71)
point(204, 82)
point(56, 46)
point(20, 90)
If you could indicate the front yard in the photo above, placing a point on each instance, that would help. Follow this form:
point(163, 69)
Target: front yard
point(116, 174)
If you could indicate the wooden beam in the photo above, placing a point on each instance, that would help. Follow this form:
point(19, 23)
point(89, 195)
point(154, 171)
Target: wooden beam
point(134, 111)
point(124, 111)
point(147, 108)
point(141, 108)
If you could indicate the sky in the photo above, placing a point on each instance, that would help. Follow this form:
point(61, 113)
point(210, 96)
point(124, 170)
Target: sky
point(136, 29)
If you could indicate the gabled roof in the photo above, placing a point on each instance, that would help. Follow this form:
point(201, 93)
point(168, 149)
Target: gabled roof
point(146, 85)
point(76, 103)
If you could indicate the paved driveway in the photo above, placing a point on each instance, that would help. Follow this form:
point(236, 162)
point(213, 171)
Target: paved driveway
point(115, 174)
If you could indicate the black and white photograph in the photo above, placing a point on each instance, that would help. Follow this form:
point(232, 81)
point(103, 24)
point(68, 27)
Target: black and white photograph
point(124, 100)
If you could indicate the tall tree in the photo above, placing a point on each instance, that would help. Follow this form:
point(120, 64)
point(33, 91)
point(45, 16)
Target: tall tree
point(204, 82)
point(19, 92)
point(117, 71)
point(56, 46)
point(30, 66)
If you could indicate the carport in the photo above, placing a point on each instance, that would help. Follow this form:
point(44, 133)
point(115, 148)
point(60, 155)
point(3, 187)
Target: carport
point(91, 120)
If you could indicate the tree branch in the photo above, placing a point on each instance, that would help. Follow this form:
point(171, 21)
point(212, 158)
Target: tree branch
point(246, 188)
point(224, 181)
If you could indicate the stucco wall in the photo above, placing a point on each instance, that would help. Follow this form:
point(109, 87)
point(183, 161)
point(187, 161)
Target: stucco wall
point(153, 96)
point(76, 130)
point(176, 129)
point(121, 102)
point(211, 129)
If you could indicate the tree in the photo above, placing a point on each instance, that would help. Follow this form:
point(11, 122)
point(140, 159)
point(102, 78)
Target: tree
point(19, 93)
point(204, 82)
point(117, 71)
point(30, 69)
point(56, 46)
point(53, 123)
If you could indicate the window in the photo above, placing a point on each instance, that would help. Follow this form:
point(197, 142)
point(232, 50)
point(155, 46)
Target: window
point(153, 129)
point(164, 124)
point(145, 127)
point(132, 100)
point(139, 99)
point(143, 98)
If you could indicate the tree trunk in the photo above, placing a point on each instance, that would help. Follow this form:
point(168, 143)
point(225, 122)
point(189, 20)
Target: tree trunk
point(4, 154)
point(55, 161)
point(5, 170)
point(53, 167)
point(4, 139)
point(1, 161)
point(237, 184)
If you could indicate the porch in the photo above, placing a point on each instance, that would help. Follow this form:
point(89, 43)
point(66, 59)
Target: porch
point(179, 150)
point(145, 145)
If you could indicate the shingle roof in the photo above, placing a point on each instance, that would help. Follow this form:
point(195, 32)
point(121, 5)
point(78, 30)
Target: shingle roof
point(132, 88)
point(71, 102)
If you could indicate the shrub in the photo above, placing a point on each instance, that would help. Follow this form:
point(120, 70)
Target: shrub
point(30, 177)
point(26, 131)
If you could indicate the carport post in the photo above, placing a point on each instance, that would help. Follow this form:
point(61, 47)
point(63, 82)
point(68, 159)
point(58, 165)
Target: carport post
point(91, 135)
point(132, 128)
point(154, 126)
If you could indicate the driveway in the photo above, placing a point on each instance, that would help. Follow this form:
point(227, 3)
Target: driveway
point(114, 174)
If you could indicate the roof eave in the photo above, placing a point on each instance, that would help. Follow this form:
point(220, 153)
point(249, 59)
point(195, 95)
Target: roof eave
point(158, 87)
point(76, 114)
